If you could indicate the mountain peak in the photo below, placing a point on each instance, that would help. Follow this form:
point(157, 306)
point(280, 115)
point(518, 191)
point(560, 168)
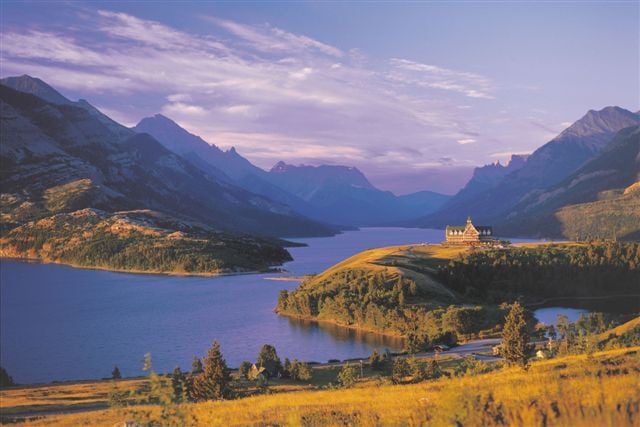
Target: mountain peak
point(608, 120)
point(35, 86)
point(279, 167)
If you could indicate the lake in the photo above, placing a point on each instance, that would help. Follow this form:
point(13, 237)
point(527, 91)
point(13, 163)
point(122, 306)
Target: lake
point(61, 323)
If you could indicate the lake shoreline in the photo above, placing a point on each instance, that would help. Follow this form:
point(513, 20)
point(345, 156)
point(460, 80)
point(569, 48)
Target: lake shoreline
point(341, 325)
point(588, 298)
point(27, 260)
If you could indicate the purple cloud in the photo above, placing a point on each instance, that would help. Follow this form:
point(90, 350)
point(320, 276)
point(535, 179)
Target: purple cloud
point(274, 95)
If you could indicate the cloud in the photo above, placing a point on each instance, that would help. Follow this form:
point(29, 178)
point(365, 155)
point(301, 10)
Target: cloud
point(271, 93)
point(182, 109)
point(270, 39)
point(469, 84)
point(466, 141)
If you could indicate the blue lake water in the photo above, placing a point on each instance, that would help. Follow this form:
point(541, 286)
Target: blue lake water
point(59, 322)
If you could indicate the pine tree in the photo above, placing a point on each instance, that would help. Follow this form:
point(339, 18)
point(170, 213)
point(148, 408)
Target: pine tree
point(245, 368)
point(515, 337)
point(213, 383)
point(433, 369)
point(5, 378)
point(115, 374)
point(268, 358)
point(196, 366)
point(179, 384)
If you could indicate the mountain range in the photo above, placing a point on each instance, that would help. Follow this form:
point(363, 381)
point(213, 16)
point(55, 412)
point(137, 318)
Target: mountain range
point(51, 143)
point(328, 193)
point(58, 156)
point(520, 199)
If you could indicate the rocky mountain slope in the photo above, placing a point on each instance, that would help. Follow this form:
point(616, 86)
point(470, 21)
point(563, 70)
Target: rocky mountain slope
point(47, 145)
point(602, 179)
point(546, 167)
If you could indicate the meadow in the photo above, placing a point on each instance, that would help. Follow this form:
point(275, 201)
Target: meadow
point(600, 389)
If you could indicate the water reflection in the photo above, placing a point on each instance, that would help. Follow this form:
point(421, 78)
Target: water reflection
point(341, 333)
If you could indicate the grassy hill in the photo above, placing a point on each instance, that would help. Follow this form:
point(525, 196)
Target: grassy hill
point(615, 216)
point(600, 389)
point(433, 289)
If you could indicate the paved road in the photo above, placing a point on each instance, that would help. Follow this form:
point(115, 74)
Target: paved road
point(461, 351)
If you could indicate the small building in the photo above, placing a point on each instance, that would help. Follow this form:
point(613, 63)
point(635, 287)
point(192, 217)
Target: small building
point(258, 371)
point(468, 234)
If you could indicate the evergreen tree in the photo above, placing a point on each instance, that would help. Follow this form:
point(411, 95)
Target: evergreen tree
point(245, 368)
point(179, 384)
point(268, 358)
point(286, 368)
point(213, 382)
point(433, 369)
point(376, 361)
point(5, 378)
point(115, 374)
point(515, 337)
point(196, 366)
point(416, 369)
point(400, 369)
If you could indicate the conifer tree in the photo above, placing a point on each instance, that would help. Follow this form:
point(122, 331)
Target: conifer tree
point(196, 366)
point(5, 378)
point(213, 383)
point(268, 356)
point(515, 337)
point(115, 374)
point(245, 368)
point(179, 384)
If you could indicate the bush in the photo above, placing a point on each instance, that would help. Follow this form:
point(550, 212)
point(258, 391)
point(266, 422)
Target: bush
point(347, 376)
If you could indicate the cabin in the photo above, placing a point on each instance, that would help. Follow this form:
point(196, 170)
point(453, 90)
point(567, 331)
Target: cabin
point(258, 371)
point(269, 370)
point(468, 234)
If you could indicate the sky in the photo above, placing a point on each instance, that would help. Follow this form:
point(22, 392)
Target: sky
point(414, 94)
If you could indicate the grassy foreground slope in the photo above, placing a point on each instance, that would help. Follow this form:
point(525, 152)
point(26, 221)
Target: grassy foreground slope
point(139, 241)
point(586, 390)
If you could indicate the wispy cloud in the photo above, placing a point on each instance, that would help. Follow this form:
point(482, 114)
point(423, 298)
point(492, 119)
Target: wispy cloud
point(271, 39)
point(471, 85)
point(466, 141)
point(271, 93)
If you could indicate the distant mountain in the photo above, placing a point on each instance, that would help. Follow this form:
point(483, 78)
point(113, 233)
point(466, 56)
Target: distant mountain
point(343, 195)
point(37, 87)
point(547, 166)
point(226, 165)
point(603, 178)
point(75, 151)
point(331, 194)
point(487, 177)
point(180, 141)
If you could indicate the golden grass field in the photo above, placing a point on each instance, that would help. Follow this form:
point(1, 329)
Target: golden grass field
point(602, 389)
